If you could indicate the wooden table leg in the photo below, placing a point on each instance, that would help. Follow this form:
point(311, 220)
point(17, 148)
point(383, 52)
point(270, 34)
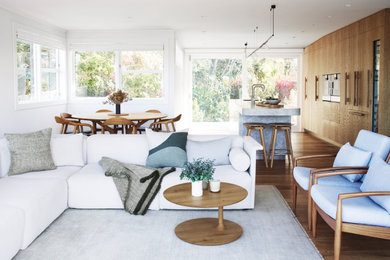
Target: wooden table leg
point(220, 226)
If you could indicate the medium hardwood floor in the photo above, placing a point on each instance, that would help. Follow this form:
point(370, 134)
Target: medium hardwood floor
point(352, 246)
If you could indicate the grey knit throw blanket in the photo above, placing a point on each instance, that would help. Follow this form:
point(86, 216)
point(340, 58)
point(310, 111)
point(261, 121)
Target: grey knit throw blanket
point(137, 185)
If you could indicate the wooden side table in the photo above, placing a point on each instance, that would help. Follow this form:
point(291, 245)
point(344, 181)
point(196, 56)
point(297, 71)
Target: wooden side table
point(207, 231)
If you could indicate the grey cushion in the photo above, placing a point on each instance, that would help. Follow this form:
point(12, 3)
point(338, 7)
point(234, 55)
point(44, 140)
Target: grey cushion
point(217, 150)
point(30, 152)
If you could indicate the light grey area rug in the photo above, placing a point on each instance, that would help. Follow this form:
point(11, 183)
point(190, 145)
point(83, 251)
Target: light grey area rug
point(270, 231)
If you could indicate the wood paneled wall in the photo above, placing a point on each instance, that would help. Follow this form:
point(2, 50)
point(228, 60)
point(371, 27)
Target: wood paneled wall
point(348, 51)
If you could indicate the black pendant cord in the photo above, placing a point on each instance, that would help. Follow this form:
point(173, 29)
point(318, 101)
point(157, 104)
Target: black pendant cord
point(269, 38)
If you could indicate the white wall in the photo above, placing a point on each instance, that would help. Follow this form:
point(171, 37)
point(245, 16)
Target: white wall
point(119, 40)
point(13, 120)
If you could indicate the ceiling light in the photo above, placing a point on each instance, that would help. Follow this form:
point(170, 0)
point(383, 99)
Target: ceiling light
point(329, 16)
point(348, 5)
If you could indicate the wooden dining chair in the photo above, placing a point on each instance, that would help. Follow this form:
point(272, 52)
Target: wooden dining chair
point(77, 125)
point(127, 126)
point(157, 126)
point(68, 116)
point(97, 128)
point(142, 128)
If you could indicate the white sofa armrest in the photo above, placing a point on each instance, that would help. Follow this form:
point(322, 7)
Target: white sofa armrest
point(251, 146)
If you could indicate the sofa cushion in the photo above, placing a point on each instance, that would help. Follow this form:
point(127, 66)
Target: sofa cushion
point(5, 157)
point(239, 159)
point(378, 179)
point(42, 201)
point(62, 173)
point(124, 148)
point(351, 156)
point(302, 174)
point(30, 152)
point(11, 231)
point(67, 150)
point(89, 188)
point(166, 149)
point(355, 210)
point(215, 150)
point(225, 173)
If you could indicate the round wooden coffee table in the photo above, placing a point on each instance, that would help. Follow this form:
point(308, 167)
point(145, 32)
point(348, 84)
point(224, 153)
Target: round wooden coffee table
point(207, 231)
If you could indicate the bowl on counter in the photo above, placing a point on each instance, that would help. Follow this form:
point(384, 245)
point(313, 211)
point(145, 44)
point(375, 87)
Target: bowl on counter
point(273, 101)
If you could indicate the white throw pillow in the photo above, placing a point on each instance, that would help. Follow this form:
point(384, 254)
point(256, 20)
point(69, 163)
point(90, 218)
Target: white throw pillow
point(217, 150)
point(239, 159)
point(68, 150)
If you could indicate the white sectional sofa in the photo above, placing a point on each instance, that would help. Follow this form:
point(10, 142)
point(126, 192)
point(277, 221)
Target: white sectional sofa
point(30, 202)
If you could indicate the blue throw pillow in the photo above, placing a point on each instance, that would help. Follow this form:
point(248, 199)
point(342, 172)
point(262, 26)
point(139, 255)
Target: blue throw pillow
point(166, 149)
point(351, 156)
point(378, 179)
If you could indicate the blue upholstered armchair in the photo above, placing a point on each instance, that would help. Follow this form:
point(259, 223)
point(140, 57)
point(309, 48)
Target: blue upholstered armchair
point(363, 210)
point(357, 158)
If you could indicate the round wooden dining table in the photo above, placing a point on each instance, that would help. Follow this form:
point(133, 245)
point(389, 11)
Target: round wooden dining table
point(138, 118)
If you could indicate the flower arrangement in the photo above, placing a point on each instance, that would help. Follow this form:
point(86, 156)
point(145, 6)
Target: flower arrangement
point(198, 170)
point(117, 97)
point(284, 87)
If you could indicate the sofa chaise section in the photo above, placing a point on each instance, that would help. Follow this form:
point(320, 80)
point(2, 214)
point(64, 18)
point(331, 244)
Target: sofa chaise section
point(11, 230)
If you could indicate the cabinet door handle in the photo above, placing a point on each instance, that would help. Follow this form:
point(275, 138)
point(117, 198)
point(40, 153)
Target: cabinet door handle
point(368, 88)
point(354, 88)
point(346, 89)
point(357, 113)
point(316, 88)
point(305, 87)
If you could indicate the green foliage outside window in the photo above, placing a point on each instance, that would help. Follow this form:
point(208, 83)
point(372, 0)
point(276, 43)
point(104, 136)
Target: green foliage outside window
point(215, 82)
point(95, 73)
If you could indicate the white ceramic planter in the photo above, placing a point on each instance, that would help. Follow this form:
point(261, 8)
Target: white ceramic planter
point(196, 188)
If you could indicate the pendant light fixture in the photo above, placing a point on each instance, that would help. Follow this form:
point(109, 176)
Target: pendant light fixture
point(269, 38)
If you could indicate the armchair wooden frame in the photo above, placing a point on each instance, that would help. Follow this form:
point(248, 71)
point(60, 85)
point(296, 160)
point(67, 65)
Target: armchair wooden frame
point(157, 126)
point(338, 225)
point(128, 126)
point(78, 126)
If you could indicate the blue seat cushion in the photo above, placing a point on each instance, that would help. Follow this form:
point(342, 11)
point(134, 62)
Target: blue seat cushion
point(302, 174)
point(378, 179)
point(361, 210)
point(351, 156)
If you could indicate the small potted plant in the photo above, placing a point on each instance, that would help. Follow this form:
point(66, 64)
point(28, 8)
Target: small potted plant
point(198, 171)
point(117, 98)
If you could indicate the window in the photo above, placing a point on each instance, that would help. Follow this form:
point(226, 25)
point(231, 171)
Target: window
point(140, 73)
point(40, 76)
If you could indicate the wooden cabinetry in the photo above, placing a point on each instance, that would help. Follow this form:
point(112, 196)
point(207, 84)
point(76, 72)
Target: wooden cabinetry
point(348, 51)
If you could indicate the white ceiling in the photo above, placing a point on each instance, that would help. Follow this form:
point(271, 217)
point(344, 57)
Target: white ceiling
point(205, 23)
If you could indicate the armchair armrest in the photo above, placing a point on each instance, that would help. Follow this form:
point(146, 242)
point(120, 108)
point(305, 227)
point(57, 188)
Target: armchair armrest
point(317, 156)
point(343, 196)
point(348, 170)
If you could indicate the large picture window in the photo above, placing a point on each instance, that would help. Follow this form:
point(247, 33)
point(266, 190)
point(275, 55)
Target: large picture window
point(140, 73)
point(40, 72)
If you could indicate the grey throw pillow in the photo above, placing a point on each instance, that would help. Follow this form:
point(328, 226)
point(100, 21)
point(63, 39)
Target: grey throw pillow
point(30, 152)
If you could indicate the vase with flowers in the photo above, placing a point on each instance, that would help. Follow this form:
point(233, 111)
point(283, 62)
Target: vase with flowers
point(199, 171)
point(117, 98)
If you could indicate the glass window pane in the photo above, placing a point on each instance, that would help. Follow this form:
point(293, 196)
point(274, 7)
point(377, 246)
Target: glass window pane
point(48, 85)
point(216, 90)
point(48, 58)
point(143, 85)
point(95, 73)
point(26, 90)
point(279, 75)
point(142, 60)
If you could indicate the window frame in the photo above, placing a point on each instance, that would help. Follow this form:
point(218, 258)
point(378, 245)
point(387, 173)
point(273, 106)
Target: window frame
point(39, 39)
point(118, 72)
